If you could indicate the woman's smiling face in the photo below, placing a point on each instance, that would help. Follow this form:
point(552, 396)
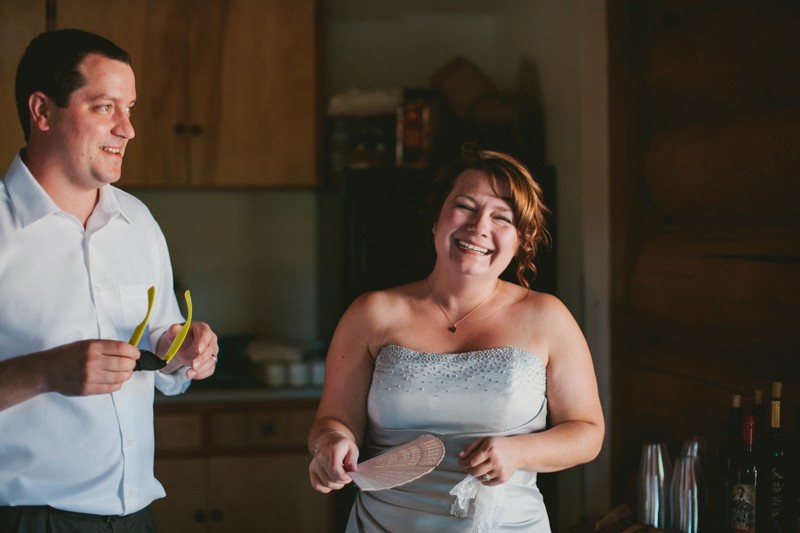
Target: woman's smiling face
point(475, 231)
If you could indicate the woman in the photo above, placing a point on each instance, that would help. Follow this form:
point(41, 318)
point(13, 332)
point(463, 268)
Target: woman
point(462, 355)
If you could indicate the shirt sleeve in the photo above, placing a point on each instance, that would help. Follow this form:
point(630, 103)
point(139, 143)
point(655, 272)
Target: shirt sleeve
point(173, 384)
point(165, 313)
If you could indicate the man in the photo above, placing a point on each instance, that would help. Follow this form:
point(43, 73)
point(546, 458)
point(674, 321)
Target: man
point(77, 256)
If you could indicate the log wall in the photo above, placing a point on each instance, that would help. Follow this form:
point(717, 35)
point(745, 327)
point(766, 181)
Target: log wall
point(705, 157)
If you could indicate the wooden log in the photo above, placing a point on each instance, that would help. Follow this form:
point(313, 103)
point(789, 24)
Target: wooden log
point(676, 9)
point(724, 287)
point(726, 371)
point(742, 167)
point(739, 56)
point(672, 408)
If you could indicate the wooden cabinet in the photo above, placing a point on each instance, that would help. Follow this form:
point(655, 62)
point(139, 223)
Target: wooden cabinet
point(226, 89)
point(237, 466)
point(20, 21)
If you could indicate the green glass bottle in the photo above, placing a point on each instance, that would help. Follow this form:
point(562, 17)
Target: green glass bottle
point(773, 511)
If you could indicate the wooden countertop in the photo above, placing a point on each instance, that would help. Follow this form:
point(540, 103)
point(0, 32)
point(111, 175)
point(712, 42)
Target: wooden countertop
point(202, 394)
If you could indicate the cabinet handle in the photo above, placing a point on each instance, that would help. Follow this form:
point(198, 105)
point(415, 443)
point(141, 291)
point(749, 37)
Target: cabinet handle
point(216, 515)
point(180, 128)
point(268, 429)
point(200, 516)
point(197, 129)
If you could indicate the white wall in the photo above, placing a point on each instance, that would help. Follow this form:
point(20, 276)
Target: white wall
point(249, 258)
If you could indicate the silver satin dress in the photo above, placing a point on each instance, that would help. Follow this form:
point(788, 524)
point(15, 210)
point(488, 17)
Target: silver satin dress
point(459, 398)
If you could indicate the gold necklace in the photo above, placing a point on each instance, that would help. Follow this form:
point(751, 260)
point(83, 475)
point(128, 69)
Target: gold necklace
point(454, 325)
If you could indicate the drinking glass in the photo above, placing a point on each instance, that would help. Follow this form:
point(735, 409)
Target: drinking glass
point(687, 489)
point(654, 477)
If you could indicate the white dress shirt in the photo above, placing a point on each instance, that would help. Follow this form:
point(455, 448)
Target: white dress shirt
point(61, 283)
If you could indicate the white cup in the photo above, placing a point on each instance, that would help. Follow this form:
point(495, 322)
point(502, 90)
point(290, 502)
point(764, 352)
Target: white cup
point(298, 374)
point(275, 374)
point(317, 370)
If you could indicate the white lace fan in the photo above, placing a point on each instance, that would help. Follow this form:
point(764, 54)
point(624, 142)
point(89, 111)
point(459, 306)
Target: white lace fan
point(400, 464)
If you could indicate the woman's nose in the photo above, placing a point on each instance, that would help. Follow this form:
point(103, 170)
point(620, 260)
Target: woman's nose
point(479, 223)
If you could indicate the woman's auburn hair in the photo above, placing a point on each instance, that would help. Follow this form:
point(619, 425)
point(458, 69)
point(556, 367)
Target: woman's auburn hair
point(526, 201)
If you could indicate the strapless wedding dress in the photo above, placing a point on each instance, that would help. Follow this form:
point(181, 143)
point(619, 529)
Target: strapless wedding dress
point(458, 397)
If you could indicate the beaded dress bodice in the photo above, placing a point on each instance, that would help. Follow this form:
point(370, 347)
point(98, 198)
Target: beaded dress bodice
point(459, 397)
point(415, 389)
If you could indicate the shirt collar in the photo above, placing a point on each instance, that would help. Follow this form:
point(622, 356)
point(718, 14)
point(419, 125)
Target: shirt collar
point(32, 202)
point(108, 206)
point(28, 197)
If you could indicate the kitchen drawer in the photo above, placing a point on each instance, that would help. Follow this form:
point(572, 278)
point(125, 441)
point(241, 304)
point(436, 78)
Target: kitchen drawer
point(260, 429)
point(178, 431)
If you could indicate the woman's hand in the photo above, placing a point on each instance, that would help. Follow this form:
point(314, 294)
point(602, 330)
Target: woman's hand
point(335, 455)
point(497, 457)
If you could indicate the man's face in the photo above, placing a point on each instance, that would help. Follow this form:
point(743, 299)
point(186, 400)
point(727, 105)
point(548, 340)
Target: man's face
point(89, 136)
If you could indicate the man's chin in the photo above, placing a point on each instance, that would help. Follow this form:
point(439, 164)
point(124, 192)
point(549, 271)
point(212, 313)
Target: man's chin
point(112, 177)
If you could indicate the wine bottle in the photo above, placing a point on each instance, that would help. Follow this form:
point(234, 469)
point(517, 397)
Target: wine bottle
point(759, 414)
point(773, 504)
point(744, 482)
point(794, 481)
point(727, 452)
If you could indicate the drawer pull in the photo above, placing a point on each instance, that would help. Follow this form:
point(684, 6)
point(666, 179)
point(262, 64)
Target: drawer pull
point(216, 515)
point(268, 429)
point(200, 517)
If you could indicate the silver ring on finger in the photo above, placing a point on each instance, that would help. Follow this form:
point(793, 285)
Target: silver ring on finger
point(214, 358)
point(485, 477)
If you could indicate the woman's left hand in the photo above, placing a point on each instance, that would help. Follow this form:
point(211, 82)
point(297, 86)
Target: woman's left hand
point(495, 457)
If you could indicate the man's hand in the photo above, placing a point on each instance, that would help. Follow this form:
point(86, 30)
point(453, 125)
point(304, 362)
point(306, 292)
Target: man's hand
point(198, 351)
point(87, 367)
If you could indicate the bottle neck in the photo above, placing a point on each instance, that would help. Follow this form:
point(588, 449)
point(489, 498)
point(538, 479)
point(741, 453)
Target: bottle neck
point(748, 432)
point(775, 414)
point(735, 424)
point(735, 418)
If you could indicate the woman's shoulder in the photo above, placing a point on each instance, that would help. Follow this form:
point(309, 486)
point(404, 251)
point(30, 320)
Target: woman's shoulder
point(375, 315)
point(530, 298)
point(539, 306)
point(394, 299)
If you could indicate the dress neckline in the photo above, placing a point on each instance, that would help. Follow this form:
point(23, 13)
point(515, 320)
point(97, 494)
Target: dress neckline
point(461, 354)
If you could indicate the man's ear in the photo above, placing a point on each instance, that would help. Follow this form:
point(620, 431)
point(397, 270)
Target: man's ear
point(39, 106)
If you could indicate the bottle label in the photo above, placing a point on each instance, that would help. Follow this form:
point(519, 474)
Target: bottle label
point(743, 508)
point(776, 493)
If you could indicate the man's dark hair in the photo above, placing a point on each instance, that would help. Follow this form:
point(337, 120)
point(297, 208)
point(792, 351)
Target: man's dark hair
point(50, 64)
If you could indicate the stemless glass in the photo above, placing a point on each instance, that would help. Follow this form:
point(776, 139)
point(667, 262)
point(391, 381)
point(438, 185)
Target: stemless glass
point(687, 489)
point(654, 478)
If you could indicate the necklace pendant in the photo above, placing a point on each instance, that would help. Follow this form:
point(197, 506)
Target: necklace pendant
point(452, 328)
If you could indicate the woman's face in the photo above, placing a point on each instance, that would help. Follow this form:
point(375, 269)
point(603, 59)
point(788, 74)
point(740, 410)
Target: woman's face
point(475, 232)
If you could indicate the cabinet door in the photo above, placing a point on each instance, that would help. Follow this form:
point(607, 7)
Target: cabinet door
point(267, 429)
point(153, 32)
point(20, 21)
point(266, 493)
point(226, 89)
point(185, 509)
point(253, 88)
